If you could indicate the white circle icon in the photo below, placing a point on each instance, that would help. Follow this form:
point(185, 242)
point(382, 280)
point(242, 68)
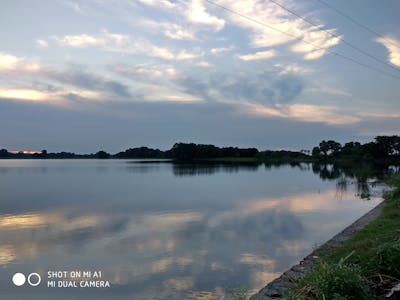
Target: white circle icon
point(36, 279)
point(18, 279)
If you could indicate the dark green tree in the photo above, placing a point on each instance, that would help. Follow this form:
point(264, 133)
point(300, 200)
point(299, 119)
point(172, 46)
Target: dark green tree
point(102, 155)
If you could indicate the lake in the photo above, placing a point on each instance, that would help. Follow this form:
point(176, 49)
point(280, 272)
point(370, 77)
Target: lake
point(158, 230)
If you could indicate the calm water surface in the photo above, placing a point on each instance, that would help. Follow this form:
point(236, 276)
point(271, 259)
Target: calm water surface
point(162, 231)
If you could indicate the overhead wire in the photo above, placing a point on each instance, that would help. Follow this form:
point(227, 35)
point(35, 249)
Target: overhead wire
point(302, 39)
point(354, 21)
point(335, 35)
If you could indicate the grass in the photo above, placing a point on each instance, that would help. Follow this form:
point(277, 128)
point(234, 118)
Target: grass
point(371, 256)
point(332, 281)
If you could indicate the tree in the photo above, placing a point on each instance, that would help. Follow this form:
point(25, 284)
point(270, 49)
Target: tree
point(43, 154)
point(388, 145)
point(316, 151)
point(330, 147)
point(102, 155)
point(4, 153)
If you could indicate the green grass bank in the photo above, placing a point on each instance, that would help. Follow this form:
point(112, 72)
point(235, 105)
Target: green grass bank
point(366, 266)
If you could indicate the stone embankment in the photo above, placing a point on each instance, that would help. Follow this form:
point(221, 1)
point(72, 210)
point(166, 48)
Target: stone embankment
point(277, 288)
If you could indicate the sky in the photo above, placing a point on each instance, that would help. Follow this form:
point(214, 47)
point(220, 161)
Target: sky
point(82, 76)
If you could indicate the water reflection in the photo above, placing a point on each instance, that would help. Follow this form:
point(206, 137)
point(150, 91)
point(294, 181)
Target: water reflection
point(156, 235)
point(190, 169)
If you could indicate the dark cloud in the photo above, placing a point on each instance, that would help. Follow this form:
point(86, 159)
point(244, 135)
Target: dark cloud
point(287, 88)
point(263, 87)
point(83, 79)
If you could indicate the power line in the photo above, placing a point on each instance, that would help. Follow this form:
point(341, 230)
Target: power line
point(302, 39)
point(351, 19)
point(335, 35)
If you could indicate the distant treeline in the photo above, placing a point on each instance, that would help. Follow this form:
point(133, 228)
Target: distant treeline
point(383, 148)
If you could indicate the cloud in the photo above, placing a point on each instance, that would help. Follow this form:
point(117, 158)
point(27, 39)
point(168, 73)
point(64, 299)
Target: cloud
point(171, 30)
point(41, 43)
point(79, 78)
point(329, 90)
point(271, 23)
point(24, 94)
point(162, 3)
point(380, 115)
point(73, 5)
point(204, 64)
point(177, 32)
point(287, 88)
point(52, 97)
point(157, 93)
point(258, 55)
point(393, 46)
point(303, 112)
point(220, 50)
point(160, 52)
point(261, 86)
point(146, 73)
point(122, 43)
point(292, 69)
point(196, 13)
point(104, 39)
point(317, 43)
point(141, 72)
point(72, 83)
point(11, 63)
point(193, 11)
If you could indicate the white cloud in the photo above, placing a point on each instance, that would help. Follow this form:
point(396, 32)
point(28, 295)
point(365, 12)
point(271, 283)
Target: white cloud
point(267, 16)
point(393, 46)
point(177, 32)
point(318, 43)
point(122, 43)
point(258, 55)
point(329, 90)
point(220, 50)
point(379, 115)
point(145, 72)
point(156, 93)
point(302, 112)
point(33, 81)
point(41, 43)
point(204, 64)
point(81, 40)
point(105, 39)
point(160, 52)
point(47, 96)
point(8, 61)
point(324, 114)
point(161, 3)
point(292, 69)
point(193, 10)
point(196, 13)
point(184, 55)
point(171, 30)
point(23, 94)
point(11, 63)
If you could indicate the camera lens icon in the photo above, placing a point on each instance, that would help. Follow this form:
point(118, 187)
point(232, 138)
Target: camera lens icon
point(18, 279)
point(33, 279)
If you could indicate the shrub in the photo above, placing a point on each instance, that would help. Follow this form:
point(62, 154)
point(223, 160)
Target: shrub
point(331, 281)
point(386, 259)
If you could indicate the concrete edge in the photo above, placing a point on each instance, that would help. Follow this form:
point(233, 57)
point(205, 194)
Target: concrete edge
point(277, 288)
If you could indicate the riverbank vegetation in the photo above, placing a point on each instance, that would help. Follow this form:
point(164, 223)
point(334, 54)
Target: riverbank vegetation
point(384, 149)
point(367, 266)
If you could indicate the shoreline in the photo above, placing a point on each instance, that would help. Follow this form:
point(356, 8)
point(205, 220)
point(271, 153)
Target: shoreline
point(277, 288)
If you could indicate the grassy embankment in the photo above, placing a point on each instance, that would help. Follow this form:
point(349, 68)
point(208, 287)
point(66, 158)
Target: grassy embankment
point(365, 267)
